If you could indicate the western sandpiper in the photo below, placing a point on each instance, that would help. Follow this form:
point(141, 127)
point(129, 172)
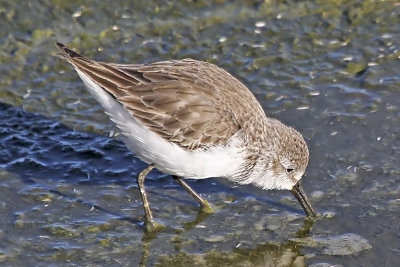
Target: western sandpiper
point(192, 119)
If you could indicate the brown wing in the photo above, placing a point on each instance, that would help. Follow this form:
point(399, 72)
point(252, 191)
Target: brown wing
point(179, 100)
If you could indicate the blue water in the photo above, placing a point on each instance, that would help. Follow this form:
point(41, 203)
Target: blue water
point(68, 193)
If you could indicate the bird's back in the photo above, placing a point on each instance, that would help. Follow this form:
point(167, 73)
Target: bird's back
point(191, 103)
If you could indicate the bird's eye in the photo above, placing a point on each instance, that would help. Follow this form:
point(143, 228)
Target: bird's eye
point(289, 170)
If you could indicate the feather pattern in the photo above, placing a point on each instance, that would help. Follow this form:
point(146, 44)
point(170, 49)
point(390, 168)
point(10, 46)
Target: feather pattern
point(184, 101)
point(193, 119)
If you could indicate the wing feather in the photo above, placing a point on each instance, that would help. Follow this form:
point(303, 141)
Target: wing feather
point(186, 102)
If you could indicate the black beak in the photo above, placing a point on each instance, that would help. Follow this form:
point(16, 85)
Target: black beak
point(298, 192)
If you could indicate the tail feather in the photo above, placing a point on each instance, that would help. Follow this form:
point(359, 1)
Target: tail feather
point(109, 78)
point(67, 52)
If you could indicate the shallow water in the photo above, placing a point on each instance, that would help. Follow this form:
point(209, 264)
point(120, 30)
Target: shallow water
point(68, 196)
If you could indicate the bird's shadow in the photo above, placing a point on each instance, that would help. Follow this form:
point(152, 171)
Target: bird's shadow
point(43, 152)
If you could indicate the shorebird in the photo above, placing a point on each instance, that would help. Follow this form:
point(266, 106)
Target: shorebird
point(192, 119)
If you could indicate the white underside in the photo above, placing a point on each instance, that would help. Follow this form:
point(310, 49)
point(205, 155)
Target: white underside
point(221, 161)
point(267, 179)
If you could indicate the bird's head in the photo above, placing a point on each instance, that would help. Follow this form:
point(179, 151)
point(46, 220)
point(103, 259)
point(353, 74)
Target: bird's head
point(283, 162)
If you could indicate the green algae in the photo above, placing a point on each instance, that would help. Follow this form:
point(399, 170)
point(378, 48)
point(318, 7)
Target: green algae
point(304, 47)
point(61, 231)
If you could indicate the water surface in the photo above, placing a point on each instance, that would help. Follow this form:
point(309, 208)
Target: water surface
point(68, 194)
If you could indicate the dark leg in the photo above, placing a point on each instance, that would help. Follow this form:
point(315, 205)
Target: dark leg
point(151, 225)
point(205, 206)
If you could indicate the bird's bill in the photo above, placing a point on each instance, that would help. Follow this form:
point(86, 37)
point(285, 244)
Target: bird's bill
point(298, 192)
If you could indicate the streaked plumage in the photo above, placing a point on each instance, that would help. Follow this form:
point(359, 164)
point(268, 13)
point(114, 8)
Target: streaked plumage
point(193, 119)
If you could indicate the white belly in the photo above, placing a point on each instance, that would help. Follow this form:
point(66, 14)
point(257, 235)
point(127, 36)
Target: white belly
point(220, 161)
